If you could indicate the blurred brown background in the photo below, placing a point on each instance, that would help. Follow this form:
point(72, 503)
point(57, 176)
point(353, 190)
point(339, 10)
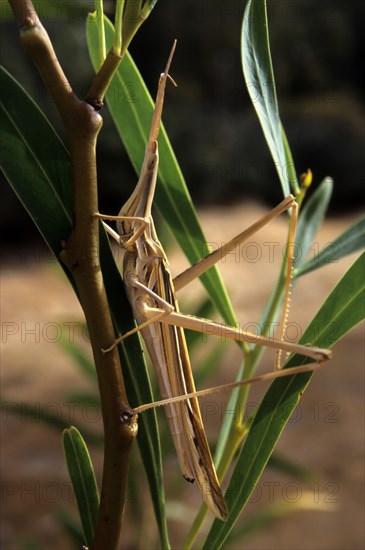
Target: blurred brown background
point(316, 54)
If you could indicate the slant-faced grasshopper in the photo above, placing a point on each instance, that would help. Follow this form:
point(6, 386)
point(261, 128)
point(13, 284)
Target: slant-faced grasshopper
point(151, 292)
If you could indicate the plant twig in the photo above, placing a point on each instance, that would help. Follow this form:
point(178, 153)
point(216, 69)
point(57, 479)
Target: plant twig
point(101, 82)
point(133, 17)
point(81, 255)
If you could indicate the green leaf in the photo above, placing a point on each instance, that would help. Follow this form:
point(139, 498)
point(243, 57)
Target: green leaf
point(203, 310)
point(230, 421)
point(343, 310)
point(350, 241)
point(260, 81)
point(83, 480)
point(41, 178)
point(131, 107)
point(310, 219)
point(209, 365)
point(35, 162)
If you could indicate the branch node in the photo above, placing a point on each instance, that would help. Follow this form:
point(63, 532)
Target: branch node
point(28, 24)
point(127, 416)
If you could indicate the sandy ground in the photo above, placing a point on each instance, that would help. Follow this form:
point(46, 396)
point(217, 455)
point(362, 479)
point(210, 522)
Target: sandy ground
point(327, 434)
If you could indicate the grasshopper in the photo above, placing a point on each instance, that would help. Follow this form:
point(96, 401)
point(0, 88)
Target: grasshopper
point(151, 293)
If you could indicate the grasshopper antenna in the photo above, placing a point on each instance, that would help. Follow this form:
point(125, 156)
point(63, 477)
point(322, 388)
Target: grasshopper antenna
point(155, 126)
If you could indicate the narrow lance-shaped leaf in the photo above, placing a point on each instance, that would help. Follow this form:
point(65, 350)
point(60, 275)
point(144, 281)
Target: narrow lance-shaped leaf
point(83, 480)
point(260, 81)
point(35, 162)
point(343, 310)
point(350, 241)
point(310, 219)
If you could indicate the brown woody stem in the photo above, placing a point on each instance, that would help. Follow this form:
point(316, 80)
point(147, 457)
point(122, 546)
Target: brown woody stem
point(81, 255)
